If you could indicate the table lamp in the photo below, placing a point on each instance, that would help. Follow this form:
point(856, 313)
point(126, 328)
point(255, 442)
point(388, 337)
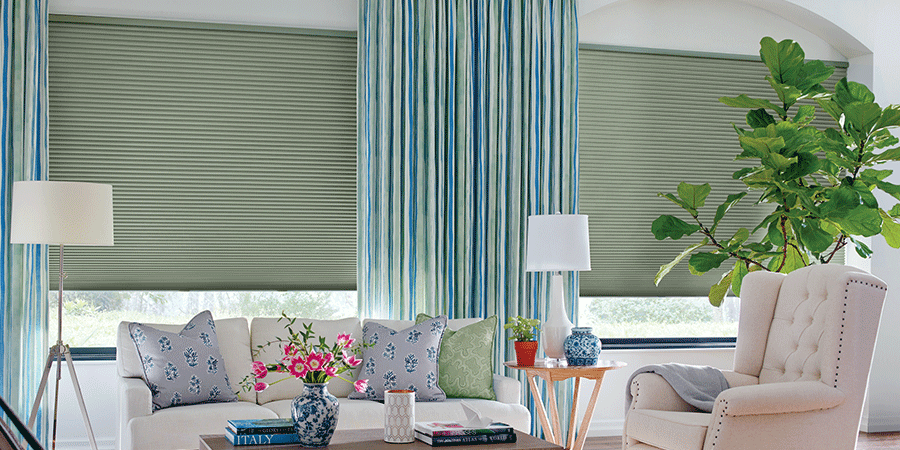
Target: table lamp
point(556, 243)
point(61, 213)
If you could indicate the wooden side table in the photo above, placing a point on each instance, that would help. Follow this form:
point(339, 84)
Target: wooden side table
point(552, 373)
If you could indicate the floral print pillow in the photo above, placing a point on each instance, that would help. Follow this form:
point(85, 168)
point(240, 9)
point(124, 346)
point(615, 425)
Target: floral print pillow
point(405, 359)
point(183, 368)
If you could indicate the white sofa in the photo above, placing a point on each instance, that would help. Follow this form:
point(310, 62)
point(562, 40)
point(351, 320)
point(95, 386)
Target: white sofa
point(140, 428)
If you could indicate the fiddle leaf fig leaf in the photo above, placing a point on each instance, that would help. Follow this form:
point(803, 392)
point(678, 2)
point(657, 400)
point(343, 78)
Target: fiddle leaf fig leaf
point(863, 116)
point(672, 227)
point(814, 237)
point(787, 262)
point(759, 118)
point(717, 291)
point(729, 202)
point(895, 211)
point(701, 263)
point(740, 270)
point(891, 154)
point(678, 202)
point(847, 92)
point(775, 234)
point(807, 164)
point(805, 114)
point(740, 236)
point(812, 74)
point(890, 229)
point(890, 117)
point(784, 59)
point(862, 249)
point(694, 195)
point(890, 188)
point(831, 107)
point(786, 93)
point(743, 101)
point(861, 221)
point(666, 268)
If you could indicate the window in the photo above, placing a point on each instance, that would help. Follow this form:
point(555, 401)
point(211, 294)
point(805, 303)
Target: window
point(91, 318)
point(658, 317)
point(647, 122)
point(232, 155)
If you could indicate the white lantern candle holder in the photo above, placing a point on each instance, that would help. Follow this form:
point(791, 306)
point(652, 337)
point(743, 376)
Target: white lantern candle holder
point(399, 416)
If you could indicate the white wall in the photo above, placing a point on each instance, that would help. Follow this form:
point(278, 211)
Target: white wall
point(98, 386)
point(861, 31)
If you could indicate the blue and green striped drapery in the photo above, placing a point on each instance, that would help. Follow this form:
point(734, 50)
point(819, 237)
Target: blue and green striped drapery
point(24, 278)
point(467, 124)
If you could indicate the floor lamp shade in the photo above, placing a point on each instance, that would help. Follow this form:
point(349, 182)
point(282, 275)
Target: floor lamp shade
point(557, 243)
point(61, 212)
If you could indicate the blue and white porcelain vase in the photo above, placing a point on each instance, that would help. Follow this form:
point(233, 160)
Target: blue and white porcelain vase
point(315, 414)
point(582, 347)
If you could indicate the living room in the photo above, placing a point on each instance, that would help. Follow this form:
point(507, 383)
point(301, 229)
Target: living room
point(828, 30)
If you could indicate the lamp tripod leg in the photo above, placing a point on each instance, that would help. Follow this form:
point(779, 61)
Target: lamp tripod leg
point(40, 393)
point(84, 413)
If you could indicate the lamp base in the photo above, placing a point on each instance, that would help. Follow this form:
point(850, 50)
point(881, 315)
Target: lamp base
point(57, 353)
point(557, 325)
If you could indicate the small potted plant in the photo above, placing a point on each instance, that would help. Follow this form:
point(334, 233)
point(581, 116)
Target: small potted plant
point(524, 332)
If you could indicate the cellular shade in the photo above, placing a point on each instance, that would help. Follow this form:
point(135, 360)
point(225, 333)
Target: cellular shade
point(232, 150)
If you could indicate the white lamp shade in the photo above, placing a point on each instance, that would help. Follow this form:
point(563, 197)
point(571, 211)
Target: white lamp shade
point(557, 242)
point(61, 212)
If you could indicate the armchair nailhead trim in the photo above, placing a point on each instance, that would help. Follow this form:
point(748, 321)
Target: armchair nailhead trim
point(837, 368)
point(719, 428)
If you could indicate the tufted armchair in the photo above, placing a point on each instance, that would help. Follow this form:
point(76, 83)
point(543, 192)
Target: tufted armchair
point(801, 364)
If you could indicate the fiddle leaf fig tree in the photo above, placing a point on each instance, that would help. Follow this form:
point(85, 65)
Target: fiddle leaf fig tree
point(821, 182)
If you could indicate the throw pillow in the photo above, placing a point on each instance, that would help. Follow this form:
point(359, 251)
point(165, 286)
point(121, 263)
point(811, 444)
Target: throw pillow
point(466, 362)
point(183, 368)
point(405, 359)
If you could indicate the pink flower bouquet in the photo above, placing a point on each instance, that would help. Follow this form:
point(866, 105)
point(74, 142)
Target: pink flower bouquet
point(308, 358)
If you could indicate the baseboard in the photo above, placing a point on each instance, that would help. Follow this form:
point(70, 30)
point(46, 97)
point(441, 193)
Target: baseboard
point(606, 428)
point(79, 444)
point(880, 424)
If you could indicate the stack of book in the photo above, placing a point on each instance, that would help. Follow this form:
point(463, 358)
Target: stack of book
point(441, 434)
point(261, 431)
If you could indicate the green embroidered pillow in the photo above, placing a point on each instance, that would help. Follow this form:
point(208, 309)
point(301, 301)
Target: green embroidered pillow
point(466, 361)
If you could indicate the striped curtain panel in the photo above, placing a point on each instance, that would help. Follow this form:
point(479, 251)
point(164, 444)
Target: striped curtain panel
point(24, 278)
point(467, 122)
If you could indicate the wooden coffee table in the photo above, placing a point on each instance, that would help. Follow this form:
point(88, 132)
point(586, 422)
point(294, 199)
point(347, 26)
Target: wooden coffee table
point(373, 439)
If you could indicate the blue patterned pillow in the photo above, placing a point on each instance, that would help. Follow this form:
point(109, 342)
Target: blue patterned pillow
point(183, 368)
point(406, 359)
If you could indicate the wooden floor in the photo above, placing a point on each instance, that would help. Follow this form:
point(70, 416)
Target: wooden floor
point(867, 441)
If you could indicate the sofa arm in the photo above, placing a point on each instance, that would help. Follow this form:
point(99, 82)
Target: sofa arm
point(135, 400)
point(507, 390)
point(652, 391)
point(778, 398)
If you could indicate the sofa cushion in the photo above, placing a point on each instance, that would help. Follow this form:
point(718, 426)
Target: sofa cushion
point(269, 329)
point(234, 345)
point(352, 415)
point(183, 368)
point(404, 359)
point(668, 429)
point(181, 427)
point(466, 362)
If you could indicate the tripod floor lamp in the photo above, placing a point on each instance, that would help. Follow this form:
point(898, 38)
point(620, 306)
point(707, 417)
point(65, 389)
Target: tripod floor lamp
point(61, 213)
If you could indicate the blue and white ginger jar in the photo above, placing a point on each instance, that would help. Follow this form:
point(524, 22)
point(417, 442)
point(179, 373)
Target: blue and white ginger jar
point(582, 347)
point(315, 414)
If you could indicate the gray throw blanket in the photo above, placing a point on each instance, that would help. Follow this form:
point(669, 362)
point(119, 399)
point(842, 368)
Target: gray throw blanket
point(697, 385)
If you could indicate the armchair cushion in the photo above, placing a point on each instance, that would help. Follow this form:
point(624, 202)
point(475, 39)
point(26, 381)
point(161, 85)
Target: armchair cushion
point(668, 429)
point(779, 398)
